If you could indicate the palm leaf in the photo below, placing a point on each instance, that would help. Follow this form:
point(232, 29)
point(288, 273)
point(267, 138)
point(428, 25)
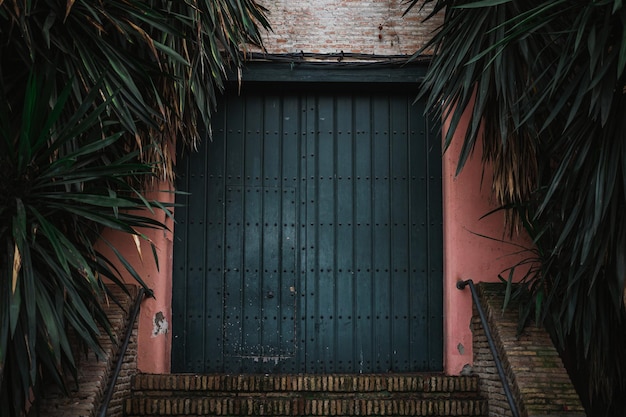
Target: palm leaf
point(151, 56)
point(61, 189)
point(543, 82)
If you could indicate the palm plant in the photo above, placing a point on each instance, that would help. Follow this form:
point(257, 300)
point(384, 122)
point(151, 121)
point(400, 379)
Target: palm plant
point(93, 94)
point(59, 190)
point(166, 61)
point(545, 81)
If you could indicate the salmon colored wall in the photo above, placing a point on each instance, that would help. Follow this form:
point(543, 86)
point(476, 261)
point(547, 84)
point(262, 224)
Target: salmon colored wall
point(466, 254)
point(154, 335)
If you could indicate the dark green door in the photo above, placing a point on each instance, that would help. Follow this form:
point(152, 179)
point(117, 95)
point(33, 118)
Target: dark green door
point(310, 240)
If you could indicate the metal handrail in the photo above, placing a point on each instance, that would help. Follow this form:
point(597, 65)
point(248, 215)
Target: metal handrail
point(104, 406)
point(505, 385)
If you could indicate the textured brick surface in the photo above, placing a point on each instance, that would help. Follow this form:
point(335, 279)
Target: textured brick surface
point(305, 395)
point(304, 383)
point(306, 407)
point(538, 380)
point(94, 373)
point(124, 380)
point(356, 26)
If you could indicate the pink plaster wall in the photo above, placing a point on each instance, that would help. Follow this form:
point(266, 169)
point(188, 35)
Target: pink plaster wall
point(466, 254)
point(154, 335)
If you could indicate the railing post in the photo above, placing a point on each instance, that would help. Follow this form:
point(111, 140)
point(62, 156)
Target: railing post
point(492, 346)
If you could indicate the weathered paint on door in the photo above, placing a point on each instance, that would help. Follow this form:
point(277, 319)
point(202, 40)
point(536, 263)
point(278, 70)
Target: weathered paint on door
point(310, 240)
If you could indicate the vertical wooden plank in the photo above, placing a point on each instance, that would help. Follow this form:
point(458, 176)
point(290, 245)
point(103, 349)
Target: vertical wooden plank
point(233, 231)
point(290, 163)
point(303, 237)
point(362, 218)
point(214, 162)
point(382, 342)
point(311, 238)
point(419, 250)
point(252, 276)
point(400, 289)
point(180, 284)
point(435, 243)
point(325, 224)
point(344, 231)
point(272, 230)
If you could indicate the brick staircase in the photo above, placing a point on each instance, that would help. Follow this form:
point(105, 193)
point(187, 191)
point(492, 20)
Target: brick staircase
point(305, 395)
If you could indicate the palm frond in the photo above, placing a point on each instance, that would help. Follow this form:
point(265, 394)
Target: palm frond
point(543, 82)
point(165, 62)
point(60, 189)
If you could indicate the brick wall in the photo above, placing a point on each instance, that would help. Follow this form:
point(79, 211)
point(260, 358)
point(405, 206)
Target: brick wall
point(354, 26)
point(94, 373)
point(538, 380)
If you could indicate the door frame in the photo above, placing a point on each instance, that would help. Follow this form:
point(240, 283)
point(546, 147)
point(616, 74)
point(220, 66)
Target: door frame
point(372, 77)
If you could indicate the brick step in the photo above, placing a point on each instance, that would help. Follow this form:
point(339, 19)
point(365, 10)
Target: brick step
point(305, 395)
point(272, 406)
point(305, 383)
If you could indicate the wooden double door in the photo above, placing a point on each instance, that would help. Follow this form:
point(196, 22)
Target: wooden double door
point(308, 236)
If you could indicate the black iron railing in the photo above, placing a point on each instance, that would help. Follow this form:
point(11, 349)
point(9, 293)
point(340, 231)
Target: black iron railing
point(496, 357)
point(108, 395)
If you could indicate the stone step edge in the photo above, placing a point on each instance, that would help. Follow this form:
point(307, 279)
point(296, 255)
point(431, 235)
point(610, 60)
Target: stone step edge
point(315, 395)
point(432, 414)
point(305, 383)
point(305, 407)
point(418, 414)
